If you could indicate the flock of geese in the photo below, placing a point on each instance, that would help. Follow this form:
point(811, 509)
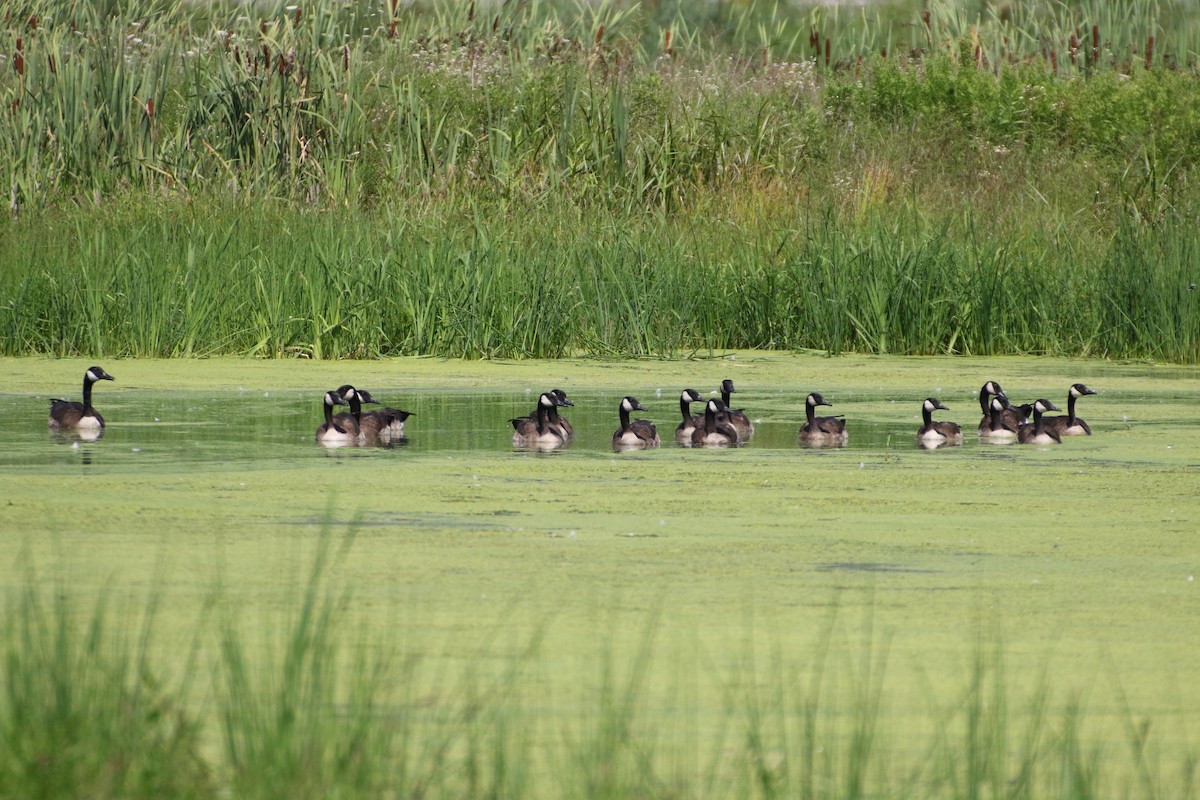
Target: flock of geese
point(545, 428)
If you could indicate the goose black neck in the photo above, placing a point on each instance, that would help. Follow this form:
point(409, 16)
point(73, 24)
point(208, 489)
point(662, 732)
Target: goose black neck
point(624, 418)
point(329, 417)
point(543, 418)
point(927, 413)
point(1071, 409)
point(356, 408)
point(552, 415)
point(983, 400)
point(685, 408)
point(87, 391)
point(810, 411)
point(710, 420)
point(1037, 420)
point(725, 398)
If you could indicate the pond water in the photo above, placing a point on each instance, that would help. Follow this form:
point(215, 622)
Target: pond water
point(155, 430)
point(1085, 554)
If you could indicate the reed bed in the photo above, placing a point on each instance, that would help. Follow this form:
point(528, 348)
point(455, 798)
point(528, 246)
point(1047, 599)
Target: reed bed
point(544, 178)
point(322, 708)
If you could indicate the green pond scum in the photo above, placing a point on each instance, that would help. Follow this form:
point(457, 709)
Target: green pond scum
point(760, 621)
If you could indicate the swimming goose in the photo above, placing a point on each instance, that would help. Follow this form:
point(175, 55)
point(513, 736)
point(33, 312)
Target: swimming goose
point(995, 430)
point(936, 433)
point(716, 430)
point(1013, 416)
point(819, 431)
point(1070, 425)
point(738, 418)
point(67, 415)
point(385, 425)
point(637, 435)
point(330, 433)
point(1036, 432)
point(557, 419)
point(352, 420)
point(683, 432)
point(538, 432)
point(553, 418)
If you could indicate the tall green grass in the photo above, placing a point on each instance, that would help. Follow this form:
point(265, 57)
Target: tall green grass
point(479, 283)
point(538, 179)
point(314, 706)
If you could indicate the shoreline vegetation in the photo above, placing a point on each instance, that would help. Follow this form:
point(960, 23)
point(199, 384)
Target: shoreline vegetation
point(544, 179)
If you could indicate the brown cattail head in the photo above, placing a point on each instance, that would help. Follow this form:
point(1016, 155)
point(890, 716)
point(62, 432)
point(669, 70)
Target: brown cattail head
point(298, 9)
point(471, 12)
point(1095, 44)
point(883, 52)
point(599, 35)
point(667, 44)
point(52, 65)
point(345, 58)
point(394, 7)
point(827, 51)
point(1053, 61)
point(1150, 51)
point(262, 27)
point(150, 108)
point(20, 44)
point(33, 22)
point(19, 62)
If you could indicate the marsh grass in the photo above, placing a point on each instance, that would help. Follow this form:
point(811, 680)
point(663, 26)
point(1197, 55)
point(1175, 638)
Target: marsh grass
point(315, 707)
point(546, 178)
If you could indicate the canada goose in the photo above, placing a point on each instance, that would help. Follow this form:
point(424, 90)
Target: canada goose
point(935, 433)
point(68, 415)
point(683, 432)
point(1036, 432)
point(821, 430)
point(637, 435)
point(553, 418)
point(716, 430)
point(331, 434)
point(1013, 417)
point(352, 421)
point(738, 418)
point(1070, 425)
point(539, 432)
point(376, 427)
point(995, 430)
point(559, 420)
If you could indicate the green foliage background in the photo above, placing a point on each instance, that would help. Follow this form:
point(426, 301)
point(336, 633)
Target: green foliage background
point(542, 178)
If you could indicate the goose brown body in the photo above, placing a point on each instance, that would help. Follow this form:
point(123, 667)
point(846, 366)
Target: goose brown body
point(637, 434)
point(937, 432)
point(821, 431)
point(1070, 425)
point(68, 415)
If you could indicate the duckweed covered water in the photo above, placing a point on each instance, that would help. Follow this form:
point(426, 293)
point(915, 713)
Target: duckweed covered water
point(1081, 557)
